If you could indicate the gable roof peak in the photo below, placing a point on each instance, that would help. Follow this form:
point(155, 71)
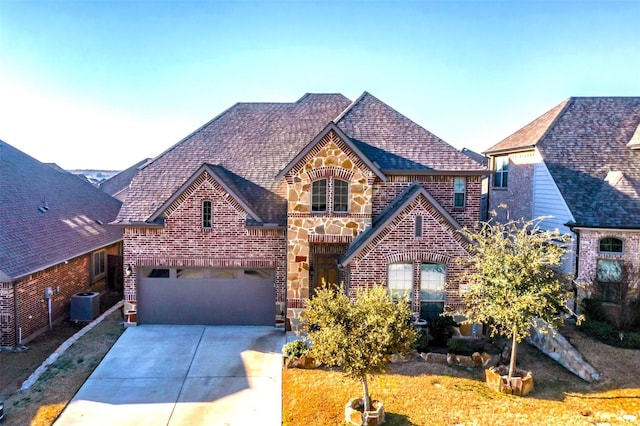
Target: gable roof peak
point(528, 136)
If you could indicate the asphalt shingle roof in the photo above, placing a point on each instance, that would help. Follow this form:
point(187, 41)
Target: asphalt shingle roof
point(31, 240)
point(254, 142)
point(585, 149)
point(395, 142)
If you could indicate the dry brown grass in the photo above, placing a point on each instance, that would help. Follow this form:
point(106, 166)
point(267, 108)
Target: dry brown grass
point(420, 393)
point(41, 404)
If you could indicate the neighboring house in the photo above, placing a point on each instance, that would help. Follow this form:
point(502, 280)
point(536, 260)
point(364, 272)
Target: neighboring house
point(244, 219)
point(484, 204)
point(580, 164)
point(118, 185)
point(54, 233)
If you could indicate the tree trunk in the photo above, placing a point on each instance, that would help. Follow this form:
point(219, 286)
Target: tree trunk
point(512, 361)
point(366, 400)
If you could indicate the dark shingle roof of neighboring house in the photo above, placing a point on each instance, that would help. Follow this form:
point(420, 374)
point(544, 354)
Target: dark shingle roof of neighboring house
point(254, 142)
point(586, 143)
point(478, 158)
point(119, 182)
point(48, 216)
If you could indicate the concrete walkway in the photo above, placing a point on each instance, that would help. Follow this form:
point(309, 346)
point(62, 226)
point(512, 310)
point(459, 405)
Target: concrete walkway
point(185, 375)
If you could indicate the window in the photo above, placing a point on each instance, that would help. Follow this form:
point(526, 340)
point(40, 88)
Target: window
point(418, 226)
point(432, 283)
point(400, 279)
point(319, 196)
point(459, 192)
point(206, 214)
point(98, 264)
point(501, 175)
point(609, 276)
point(610, 245)
point(340, 196)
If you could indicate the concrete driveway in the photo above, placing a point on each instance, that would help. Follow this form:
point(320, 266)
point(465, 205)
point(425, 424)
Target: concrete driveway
point(185, 375)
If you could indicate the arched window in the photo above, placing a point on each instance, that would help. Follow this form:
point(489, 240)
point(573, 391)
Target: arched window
point(611, 245)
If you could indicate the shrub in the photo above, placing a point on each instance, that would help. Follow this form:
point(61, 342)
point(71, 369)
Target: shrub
point(592, 308)
point(422, 341)
point(441, 330)
point(607, 333)
point(295, 348)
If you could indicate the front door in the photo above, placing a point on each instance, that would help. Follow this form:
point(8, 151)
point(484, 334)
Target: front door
point(326, 271)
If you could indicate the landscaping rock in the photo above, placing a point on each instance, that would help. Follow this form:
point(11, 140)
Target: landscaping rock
point(554, 344)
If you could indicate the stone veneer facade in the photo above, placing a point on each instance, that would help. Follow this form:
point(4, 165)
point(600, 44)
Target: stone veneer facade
point(332, 158)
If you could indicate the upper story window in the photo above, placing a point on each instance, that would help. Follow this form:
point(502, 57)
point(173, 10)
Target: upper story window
point(611, 245)
point(319, 195)
point(459, 192)
point(340, 196)
point(320, 191)
point(418, 226)
point(400, 279)
point(501, 175)
point(206, 214)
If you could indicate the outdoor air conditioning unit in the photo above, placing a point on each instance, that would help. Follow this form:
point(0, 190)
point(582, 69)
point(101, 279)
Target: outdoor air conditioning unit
point(85, 306)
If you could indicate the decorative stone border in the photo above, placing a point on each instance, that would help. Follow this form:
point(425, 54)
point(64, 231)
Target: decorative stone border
point(64, 346)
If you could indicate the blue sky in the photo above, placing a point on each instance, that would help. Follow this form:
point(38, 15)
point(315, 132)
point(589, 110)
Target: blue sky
point(103, 84)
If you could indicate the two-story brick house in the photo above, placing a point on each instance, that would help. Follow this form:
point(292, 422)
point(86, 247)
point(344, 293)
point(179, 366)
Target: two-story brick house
point(270, 201)
point(578, 164)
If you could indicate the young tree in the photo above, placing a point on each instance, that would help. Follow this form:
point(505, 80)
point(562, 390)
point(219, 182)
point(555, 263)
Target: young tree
point(512, 278)
point(358, 335)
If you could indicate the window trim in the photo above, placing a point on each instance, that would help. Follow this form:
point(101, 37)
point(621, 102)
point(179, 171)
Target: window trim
point(463, 193)
point(503, 172)
point(205, 219)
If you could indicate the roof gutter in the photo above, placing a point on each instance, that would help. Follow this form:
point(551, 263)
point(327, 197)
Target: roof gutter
point(436, 172)
point(16, 331)
point(572, 226)
point(51, 265)
point(509, 150)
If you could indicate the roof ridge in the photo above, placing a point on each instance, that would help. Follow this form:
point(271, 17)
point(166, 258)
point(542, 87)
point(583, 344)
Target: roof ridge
point(495, 148)
point(172, 147)
point(351, 106)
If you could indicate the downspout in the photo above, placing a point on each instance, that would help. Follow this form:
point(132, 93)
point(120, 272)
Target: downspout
point(575, 272)
point(17, 338)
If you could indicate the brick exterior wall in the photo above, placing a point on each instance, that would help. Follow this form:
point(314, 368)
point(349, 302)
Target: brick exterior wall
point(440, 243)
point(589, 254)
point(183, 241)
point(518, 195)
point(440, 188)
point(65, 279)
